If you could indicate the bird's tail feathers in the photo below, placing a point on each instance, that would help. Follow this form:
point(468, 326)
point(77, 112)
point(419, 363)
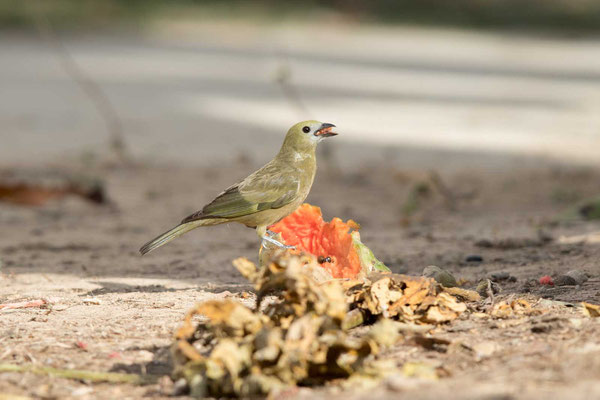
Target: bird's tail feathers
point(171, 234)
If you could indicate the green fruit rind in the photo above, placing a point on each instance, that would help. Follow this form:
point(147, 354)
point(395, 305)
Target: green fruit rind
point(368, 261)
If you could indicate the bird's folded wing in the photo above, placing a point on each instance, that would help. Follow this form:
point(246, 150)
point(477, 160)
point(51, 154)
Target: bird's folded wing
point(263, 190)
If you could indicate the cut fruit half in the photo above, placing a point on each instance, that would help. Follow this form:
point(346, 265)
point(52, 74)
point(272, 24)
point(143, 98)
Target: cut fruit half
point(335, 244)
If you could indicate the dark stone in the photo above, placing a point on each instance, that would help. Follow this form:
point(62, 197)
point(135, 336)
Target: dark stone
point(441, 276)
point(541, 328)
point(499, 276)
point(484, 286)
point(474, 258)
point(565, 280)
point(579, 276)
point(484, 243)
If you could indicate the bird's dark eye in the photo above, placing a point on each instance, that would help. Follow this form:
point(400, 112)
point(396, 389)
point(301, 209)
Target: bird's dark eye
point(306, 129)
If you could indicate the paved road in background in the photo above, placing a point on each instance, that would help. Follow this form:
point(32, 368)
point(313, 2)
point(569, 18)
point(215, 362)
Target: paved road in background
point(200, 94)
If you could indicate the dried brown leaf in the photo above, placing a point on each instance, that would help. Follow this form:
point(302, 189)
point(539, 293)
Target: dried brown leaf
point(591, 310)
point(420, 370)
point(463, 294)
point(513, 308)
point(406, 298)
point(37, 187)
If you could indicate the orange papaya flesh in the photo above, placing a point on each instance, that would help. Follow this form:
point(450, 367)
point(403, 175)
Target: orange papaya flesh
point(331, 242)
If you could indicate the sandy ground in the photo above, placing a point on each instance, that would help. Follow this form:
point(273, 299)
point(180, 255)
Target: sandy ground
point(112, 310)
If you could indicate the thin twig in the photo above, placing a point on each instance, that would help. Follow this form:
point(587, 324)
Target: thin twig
point(8, 396)
point(88, 86)
point(490, 293)
point(84, 375)
point(449, 197)
point(283, 78)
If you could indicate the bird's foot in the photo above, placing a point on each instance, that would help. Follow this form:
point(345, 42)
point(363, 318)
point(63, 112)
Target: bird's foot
point(269, 239)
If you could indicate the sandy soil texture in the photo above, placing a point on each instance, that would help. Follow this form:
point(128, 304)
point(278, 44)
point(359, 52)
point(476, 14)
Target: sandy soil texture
point(112, 310)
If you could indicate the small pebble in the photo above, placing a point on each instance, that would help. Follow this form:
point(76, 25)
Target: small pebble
point(565, 280)
point(499, 276)
point(526, 286)
point(82, 391)
point(91, 300)
point(579, 276)
point(482, 288)
point(541, 328)
point(441, 276)
point(180, 387)
point(474, 258)
point(484, 243)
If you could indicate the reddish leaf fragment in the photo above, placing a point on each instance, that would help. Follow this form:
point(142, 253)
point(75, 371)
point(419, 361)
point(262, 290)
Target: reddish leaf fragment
point(81, 345)
point(37, 187)
point(546, 280)
point(23, 304)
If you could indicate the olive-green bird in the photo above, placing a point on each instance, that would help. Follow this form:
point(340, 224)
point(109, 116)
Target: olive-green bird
point(266, 196)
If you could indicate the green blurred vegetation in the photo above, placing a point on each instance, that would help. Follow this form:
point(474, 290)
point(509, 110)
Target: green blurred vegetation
point(561, 15)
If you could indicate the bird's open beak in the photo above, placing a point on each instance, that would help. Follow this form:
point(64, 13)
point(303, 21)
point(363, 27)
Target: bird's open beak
point(325, 130)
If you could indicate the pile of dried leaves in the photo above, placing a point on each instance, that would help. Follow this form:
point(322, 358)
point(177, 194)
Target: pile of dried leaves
point(298, 337)
point(406, 298)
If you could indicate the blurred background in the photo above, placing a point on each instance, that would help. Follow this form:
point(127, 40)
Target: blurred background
point(408, 83)
point(469, 139)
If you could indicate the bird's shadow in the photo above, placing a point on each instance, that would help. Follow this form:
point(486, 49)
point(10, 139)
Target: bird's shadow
point(109, 287)
point(117, 287)
point(161, 364)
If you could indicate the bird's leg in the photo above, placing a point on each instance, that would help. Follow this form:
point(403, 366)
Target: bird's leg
point(269, 239)
point(266, 236)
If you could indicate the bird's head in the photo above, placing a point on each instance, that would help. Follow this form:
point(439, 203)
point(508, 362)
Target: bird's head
point(305, 135)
